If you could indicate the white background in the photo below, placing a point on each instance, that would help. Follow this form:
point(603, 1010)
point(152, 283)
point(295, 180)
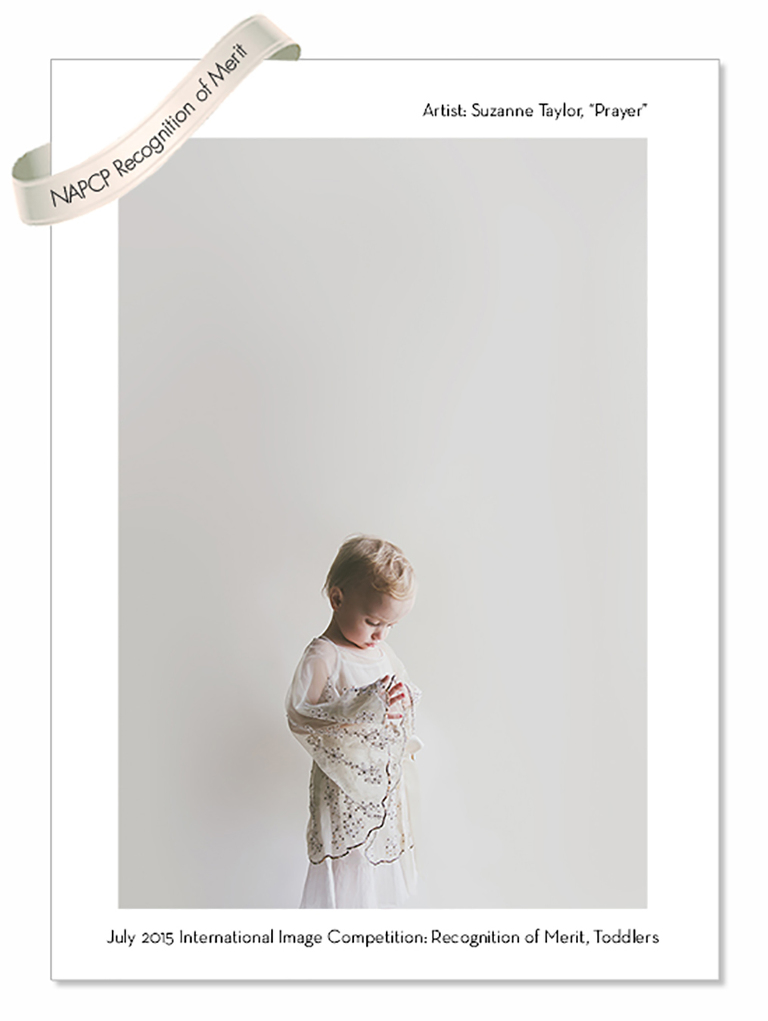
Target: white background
point(673, 30)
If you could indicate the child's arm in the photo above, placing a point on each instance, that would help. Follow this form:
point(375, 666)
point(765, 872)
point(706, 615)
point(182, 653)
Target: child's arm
point(313, 702)
point(320, 675)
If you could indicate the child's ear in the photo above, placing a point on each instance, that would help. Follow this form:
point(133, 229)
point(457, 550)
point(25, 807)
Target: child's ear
point(336, 597)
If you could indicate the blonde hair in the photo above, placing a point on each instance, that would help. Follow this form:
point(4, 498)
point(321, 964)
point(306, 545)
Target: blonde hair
point(363, 558)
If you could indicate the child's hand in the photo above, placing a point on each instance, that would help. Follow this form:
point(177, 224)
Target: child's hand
point(396, 692)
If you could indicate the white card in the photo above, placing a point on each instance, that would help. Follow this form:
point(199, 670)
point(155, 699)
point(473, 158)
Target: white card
point(224, 346)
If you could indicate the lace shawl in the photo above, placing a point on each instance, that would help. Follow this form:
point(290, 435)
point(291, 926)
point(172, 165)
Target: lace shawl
point(357, 792)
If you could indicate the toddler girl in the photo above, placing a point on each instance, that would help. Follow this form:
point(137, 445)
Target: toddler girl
point(351, 706)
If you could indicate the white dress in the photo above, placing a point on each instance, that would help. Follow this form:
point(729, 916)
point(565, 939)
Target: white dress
point(359, 836)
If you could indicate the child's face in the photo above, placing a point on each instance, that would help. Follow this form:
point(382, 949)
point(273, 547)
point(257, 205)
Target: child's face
point(365, 616)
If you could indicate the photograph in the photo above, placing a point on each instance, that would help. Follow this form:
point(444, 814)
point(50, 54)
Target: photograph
point(382, 525)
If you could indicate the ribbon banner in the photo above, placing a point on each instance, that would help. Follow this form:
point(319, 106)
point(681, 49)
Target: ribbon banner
point(45, 198)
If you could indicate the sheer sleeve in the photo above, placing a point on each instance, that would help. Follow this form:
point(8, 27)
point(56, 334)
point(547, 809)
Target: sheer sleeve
point(314, 701)
point(344, 732)
point(357, 797)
